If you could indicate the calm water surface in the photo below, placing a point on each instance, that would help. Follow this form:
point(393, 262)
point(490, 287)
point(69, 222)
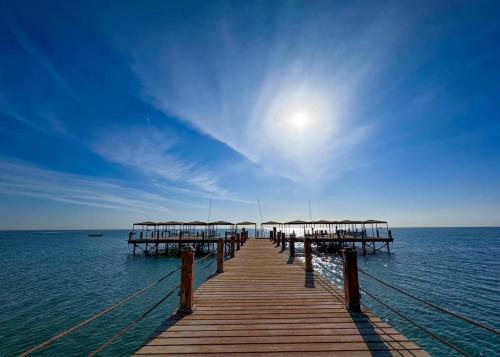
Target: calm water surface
point(53, 280)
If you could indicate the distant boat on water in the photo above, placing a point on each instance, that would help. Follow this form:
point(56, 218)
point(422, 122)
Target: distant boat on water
point(95, 235)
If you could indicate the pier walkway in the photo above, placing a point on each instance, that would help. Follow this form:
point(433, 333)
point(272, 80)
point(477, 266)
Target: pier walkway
point(265, 303)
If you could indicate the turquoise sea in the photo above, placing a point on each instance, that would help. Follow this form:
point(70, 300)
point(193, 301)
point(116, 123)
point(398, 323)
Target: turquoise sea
point(51, 280)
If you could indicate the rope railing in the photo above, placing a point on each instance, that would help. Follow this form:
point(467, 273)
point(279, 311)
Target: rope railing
point(82, 324)
point(133, 323)
point(203, 258)
point(430, 333)
point(109, 309)
point(428, 303)
point(407, 319)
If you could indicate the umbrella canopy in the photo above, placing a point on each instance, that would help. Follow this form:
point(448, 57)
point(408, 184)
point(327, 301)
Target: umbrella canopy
point(220, 223)
point(246, 223)
point(298, 222)
point(147, 223)
point(196, 223)
point(170, 223)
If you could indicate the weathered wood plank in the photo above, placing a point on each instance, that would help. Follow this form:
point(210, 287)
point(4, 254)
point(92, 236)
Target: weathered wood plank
point(264, 304)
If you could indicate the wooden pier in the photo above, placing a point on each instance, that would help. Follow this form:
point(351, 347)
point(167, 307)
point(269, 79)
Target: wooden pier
point(264, 302)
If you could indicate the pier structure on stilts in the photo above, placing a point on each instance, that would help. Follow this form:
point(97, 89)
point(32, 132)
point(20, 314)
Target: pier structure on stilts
point(369, 236)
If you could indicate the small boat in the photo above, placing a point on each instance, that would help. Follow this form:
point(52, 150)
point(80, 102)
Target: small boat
point(95, 235)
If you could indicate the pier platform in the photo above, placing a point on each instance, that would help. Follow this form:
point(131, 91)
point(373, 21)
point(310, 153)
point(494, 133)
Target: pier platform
point(265, 303)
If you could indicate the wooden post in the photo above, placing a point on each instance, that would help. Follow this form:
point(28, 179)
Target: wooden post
point(129, 236)
point(220, 255)
point(233, 239)
point(238, 241)
point(142, 235)
point(243, 236)
point(274, 235)
point(308, 253)
point(390, 237)
point(283, 241)
point(292, 246)
point(351, 285)
point(187, 282)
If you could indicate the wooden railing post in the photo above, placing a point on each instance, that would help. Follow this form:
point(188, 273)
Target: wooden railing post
point(233, 240)
point(308, 254)
point(351, 285)
point(238, 241)
point(220, 255)
point(187, 281)
point(274, 235)
point(243, 236)
point(292, 246)
point(283, 241)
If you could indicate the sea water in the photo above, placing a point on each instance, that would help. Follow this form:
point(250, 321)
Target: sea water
point(49, 281)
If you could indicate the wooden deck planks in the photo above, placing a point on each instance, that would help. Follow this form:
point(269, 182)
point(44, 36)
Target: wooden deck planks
point(264, 304)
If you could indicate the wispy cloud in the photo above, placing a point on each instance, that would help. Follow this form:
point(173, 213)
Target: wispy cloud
point(24, 179)
point(224, 83)
point(151, 151)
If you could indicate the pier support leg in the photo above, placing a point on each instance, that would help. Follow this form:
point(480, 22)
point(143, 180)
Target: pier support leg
point(238, 241)
point(135, 245)
point(233, 240)
point(187, 282)
point(220, 255)
point(283, 241)
point(308, 254)
point(274, 235)
point(292, 246)
point(351, 285)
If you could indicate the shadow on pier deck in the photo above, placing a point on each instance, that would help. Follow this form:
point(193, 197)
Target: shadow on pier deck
point(262, 304)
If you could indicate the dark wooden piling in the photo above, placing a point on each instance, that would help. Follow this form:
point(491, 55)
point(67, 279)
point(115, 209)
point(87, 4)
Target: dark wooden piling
point(233, 246)
point(292, 246)
point(220, 255)
point(308, 255)
point(187, 282)
point(351, 285)
point(238, 241)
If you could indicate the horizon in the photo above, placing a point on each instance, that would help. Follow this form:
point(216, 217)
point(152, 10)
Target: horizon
point(118, 113)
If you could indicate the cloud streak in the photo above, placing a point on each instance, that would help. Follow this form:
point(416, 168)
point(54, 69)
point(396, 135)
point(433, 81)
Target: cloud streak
point(223, 82)
point(149, 150)
point(22, 179)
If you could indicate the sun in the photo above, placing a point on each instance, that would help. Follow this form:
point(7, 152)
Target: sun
point(299, 120)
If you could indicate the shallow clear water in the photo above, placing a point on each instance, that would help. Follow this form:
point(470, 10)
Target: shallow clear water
point(52, 280)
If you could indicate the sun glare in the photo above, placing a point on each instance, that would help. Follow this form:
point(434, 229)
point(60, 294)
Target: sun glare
point(299, 120)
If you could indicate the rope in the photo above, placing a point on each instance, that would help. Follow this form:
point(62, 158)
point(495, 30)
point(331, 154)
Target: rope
point(133, 323)
point(95, 317)
point(203, 258)
point(442, 340)
point(461, 317)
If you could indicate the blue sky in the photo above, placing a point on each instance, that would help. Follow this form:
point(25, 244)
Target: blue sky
point(114, 112)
